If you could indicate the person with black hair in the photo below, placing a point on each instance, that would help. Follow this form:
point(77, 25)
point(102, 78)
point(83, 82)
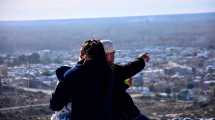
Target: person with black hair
point(88, 86)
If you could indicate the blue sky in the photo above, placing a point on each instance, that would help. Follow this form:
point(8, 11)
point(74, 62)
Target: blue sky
point(66, 9)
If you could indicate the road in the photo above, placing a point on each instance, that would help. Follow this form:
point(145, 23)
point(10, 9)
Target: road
point(22, 107)
point(49, 92)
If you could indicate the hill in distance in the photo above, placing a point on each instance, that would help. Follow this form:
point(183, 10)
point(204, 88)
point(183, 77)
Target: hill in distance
point(195, 30)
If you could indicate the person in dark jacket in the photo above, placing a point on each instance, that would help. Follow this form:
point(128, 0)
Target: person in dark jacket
point(88, 86)
point(123, 105)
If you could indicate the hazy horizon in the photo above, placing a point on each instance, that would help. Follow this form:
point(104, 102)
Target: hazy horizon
point(152, 15)
point(15, 10)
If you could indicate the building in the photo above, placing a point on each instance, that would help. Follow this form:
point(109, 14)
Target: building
point(3, 73)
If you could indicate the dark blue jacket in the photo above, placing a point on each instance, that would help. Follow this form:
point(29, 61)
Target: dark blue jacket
point(123, 105)
point(89, 87)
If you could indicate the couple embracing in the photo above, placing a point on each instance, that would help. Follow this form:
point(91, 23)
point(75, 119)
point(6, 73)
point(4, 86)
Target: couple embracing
point(96, 86)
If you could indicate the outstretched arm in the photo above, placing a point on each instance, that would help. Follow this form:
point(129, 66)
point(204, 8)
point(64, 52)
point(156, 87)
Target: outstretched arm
point(123, 72)
point(132, 68)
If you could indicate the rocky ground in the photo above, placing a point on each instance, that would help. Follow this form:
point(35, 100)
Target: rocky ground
point(39, 113)
point(10, 97)
point(154, 109)
point(166, 109)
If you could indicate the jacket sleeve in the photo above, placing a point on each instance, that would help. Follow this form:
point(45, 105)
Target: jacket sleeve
point(132, 68)
point(61, 71)
point(60, 96)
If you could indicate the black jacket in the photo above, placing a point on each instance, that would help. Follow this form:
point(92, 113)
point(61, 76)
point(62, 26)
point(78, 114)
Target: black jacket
point(123, 105)
point(88, 87)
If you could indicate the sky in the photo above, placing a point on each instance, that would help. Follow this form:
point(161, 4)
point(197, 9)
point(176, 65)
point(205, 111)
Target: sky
point(68, 9)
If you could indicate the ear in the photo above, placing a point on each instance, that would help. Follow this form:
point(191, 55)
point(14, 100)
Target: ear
point(82, 54)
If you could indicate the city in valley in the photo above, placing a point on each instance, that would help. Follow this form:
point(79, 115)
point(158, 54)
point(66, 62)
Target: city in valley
point(178, 83)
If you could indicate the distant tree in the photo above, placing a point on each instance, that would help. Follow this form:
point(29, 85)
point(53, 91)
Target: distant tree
point(1, 60)
point(190, 85)
point(168, 90)
point(0, 86)
point(46, 73)
point(152, 88)
point(213, 92)
point(34, 58)
point(23, 59)
point(0, 80)
point(3, 43)
point(45, 60)
point(58, 60)
point(212, 47)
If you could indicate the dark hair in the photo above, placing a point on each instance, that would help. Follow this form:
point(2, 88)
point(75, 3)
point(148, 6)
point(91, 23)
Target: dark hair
point(94, 49)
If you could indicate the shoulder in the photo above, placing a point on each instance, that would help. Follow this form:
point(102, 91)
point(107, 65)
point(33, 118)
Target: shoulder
point(72, 72)
point(60, 72)
point(116, 67)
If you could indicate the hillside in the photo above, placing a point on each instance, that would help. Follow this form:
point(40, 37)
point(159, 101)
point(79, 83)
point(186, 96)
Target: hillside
point(126, 32)
point(34, 105)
